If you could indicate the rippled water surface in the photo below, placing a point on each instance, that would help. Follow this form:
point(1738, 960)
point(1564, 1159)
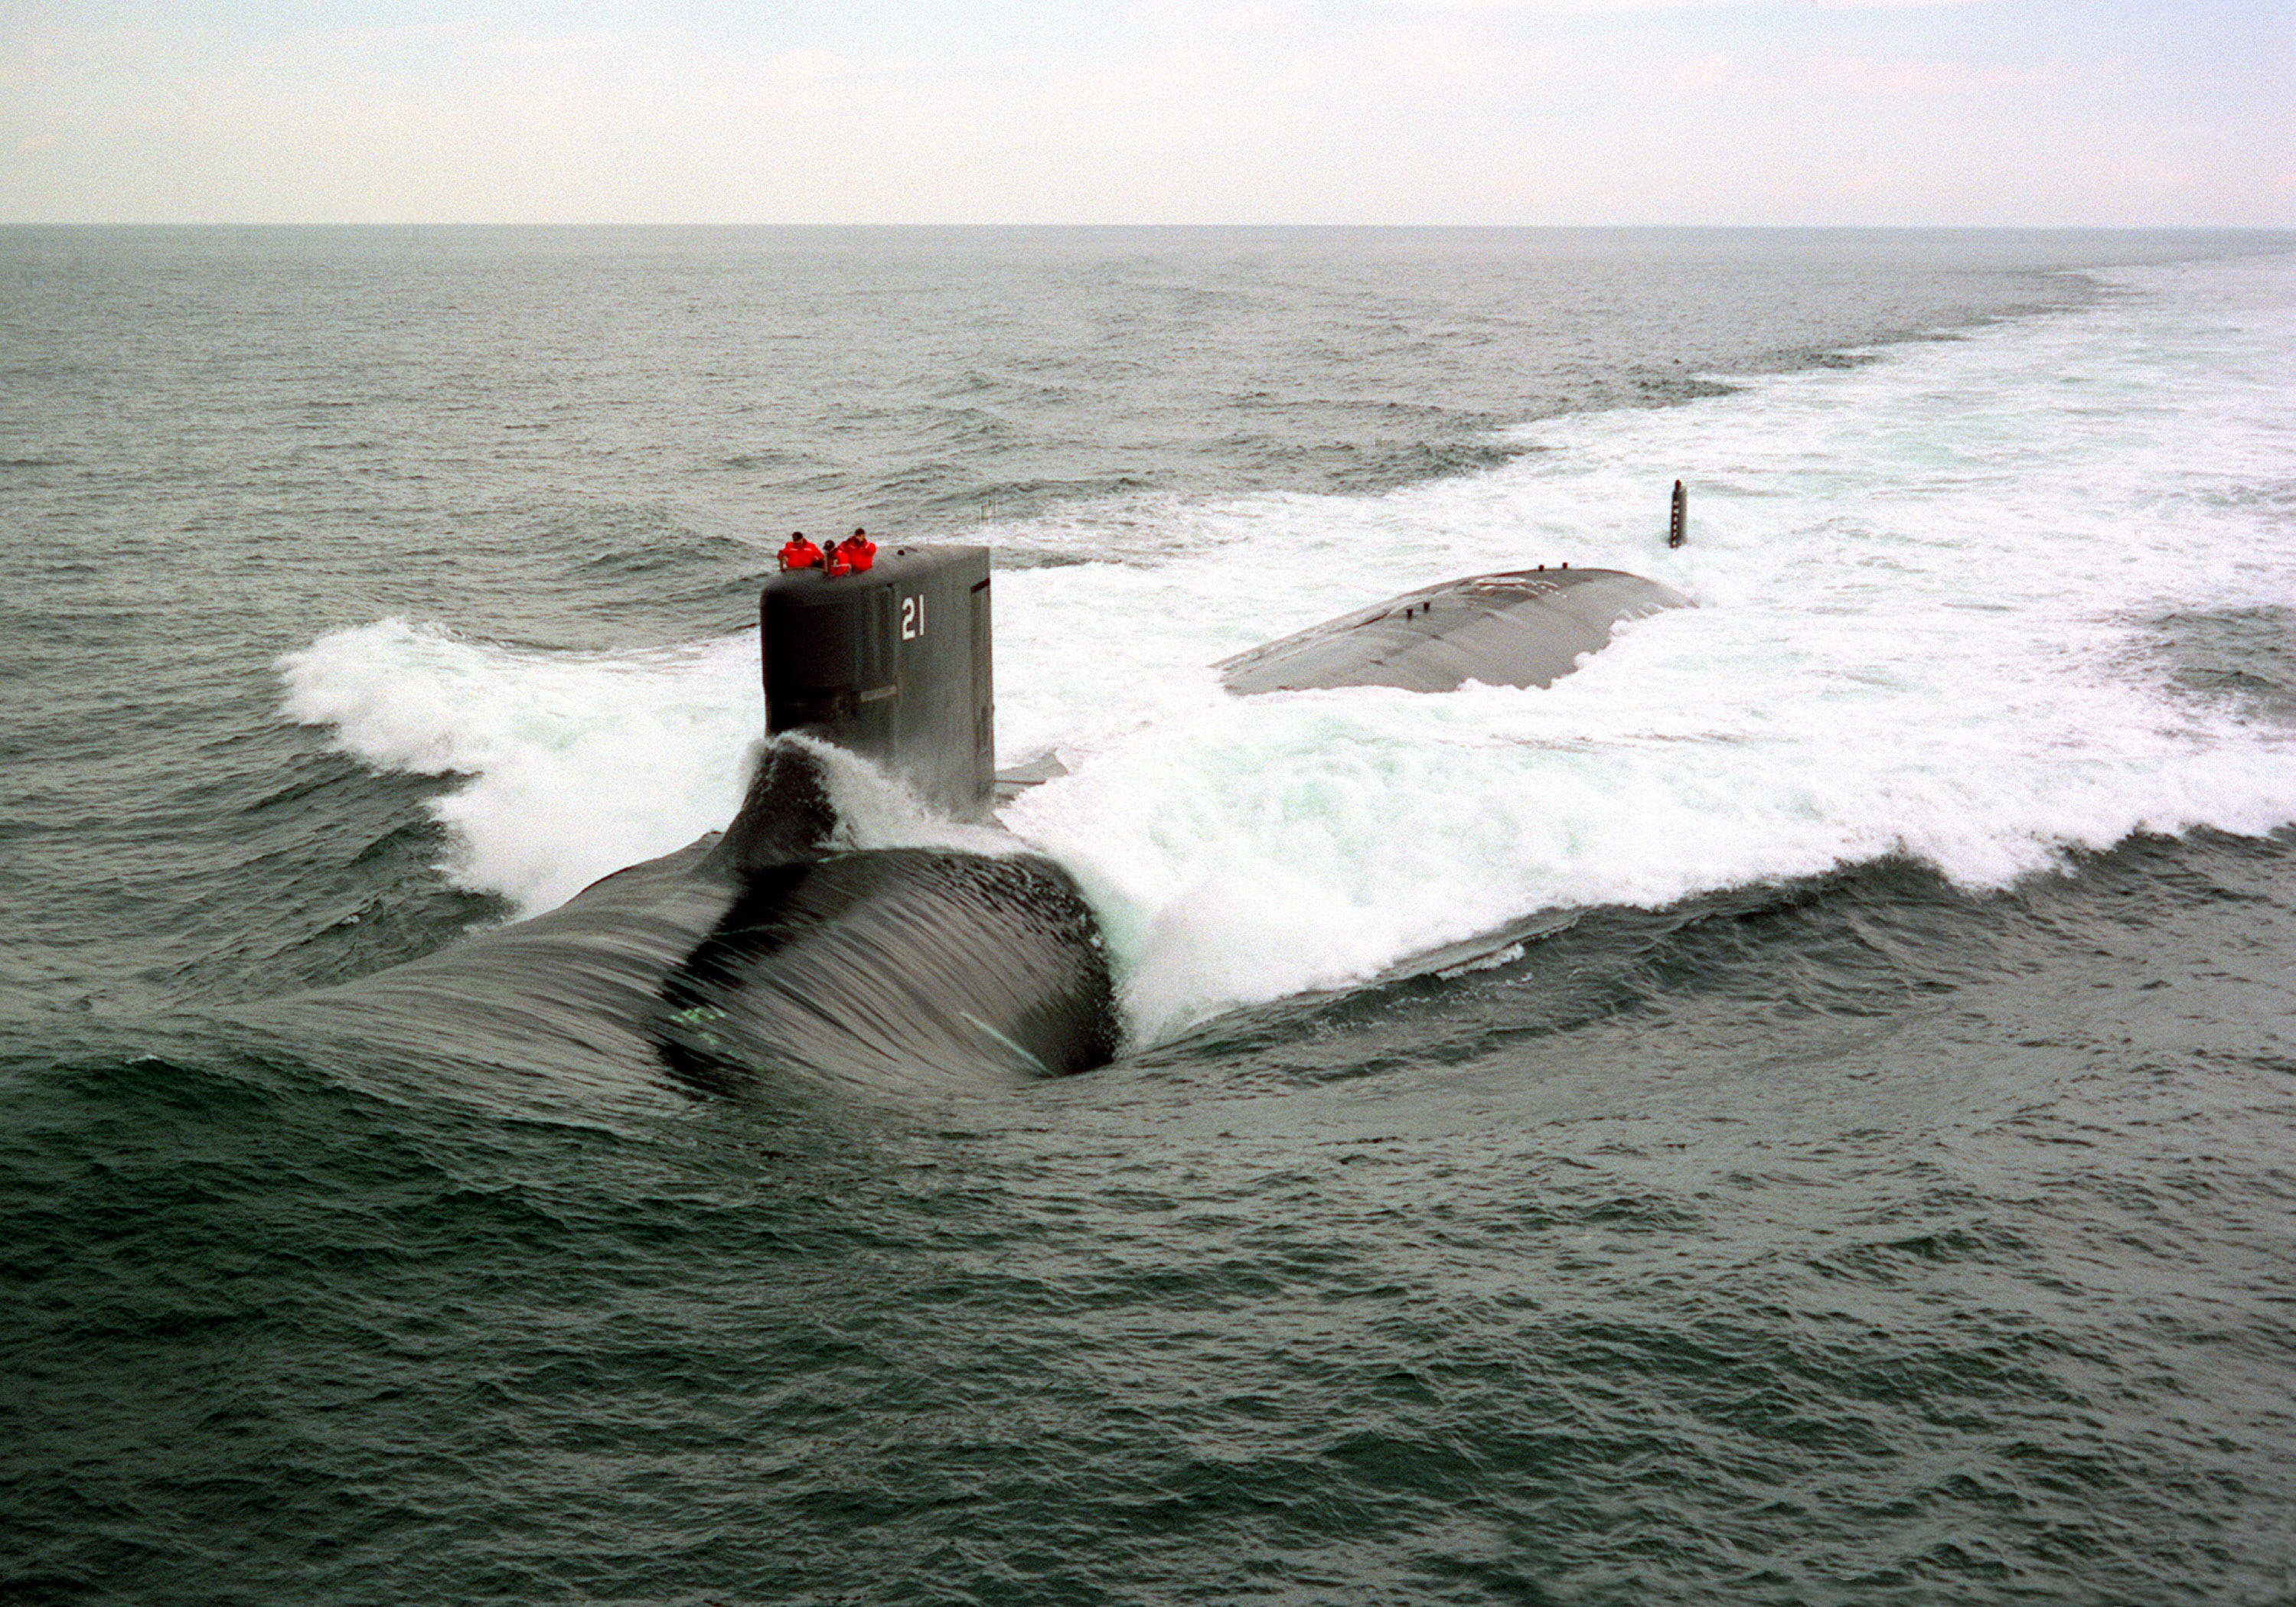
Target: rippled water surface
point(1868, 1180)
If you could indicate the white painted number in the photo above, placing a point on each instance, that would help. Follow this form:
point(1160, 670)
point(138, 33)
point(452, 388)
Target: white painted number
point(913, 618)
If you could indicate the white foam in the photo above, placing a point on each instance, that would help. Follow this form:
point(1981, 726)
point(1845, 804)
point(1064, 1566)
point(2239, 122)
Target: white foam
point(1925, 584)
point(875, 810)
point(578, 764)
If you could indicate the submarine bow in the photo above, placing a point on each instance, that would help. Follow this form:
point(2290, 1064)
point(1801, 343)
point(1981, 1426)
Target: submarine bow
point(778, 945)
point(903, 956)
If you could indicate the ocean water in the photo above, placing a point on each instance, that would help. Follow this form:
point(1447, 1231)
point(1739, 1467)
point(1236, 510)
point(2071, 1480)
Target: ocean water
point(1866, 1178)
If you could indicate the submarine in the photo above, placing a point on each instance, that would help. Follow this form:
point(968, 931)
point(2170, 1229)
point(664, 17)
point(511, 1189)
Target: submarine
point(789, 942)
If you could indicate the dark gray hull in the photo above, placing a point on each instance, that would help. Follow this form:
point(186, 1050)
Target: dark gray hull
point(1525, 627)
point(766, 949)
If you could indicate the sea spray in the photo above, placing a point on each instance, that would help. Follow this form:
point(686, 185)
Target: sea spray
point(1923, 580)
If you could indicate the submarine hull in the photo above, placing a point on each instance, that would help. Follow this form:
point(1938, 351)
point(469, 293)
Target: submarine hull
point(1523, 628)
point(771, 948)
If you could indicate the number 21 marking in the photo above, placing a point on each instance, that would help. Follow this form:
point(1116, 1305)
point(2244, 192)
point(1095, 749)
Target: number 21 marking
point(913, 618)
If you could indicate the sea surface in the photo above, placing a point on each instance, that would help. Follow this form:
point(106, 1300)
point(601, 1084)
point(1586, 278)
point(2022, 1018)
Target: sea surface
point(1872, 1179)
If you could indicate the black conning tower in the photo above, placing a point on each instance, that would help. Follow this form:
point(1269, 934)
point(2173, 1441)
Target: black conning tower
point(892, 664)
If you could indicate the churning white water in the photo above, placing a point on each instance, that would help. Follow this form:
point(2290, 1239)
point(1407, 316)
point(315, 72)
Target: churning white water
point(1931, 591)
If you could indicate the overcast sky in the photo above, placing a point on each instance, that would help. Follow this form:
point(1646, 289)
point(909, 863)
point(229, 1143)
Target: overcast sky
point(1404, 112)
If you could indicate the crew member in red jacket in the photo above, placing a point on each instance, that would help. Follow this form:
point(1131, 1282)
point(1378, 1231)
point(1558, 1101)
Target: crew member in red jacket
point(799, 554)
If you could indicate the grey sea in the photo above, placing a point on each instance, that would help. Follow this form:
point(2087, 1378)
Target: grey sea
point(1872, 1183)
